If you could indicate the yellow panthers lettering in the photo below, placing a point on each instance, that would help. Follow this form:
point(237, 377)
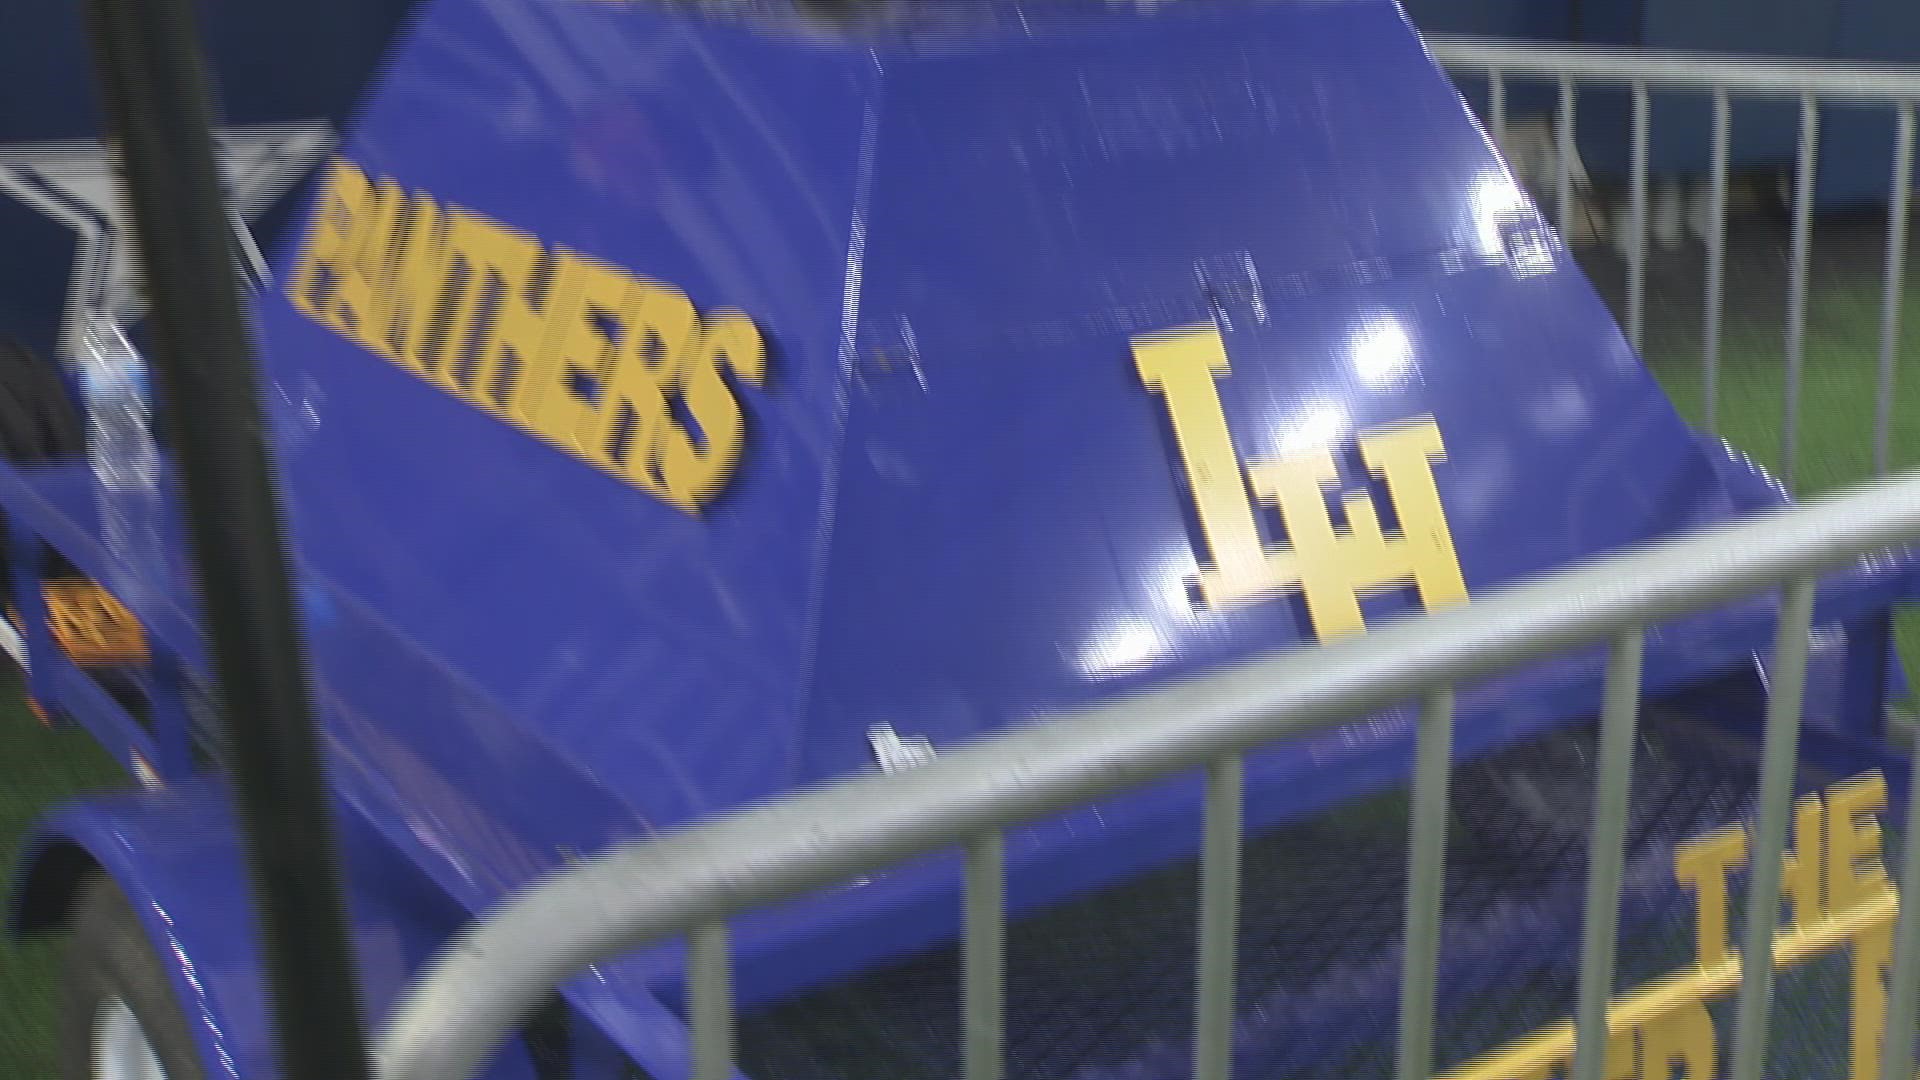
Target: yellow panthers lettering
point(617, 371)
point(1332, 568)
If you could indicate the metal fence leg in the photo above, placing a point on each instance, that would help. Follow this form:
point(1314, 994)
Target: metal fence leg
point(1497, 107)
point(710, 997)
point(983, 960)
point(1797, 289)
point(1894, 285)
point(1219, 921)
point(1606, 854)
point(1787, 685)
point(1426, 880)
point(1716, 241)
point(1564, 163)
point(1903, 992)
point(1637, 220)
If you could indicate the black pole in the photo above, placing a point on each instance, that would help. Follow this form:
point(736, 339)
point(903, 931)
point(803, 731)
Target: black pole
point(148, 62)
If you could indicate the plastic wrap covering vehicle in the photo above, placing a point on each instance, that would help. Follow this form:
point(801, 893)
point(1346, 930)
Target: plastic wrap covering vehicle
point(676, 410)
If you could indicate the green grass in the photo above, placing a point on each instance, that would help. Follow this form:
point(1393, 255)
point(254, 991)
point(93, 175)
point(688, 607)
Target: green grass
point(37, 768)
point(1839, 385)
point(1839, 379)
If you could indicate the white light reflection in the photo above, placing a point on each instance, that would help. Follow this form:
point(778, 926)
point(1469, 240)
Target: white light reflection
point(1126, 647)
point(1316, 428)
point(1507, 228)
point(1495, 199)
point(1381, 351)
point(1132, 642)
point(1169, 582)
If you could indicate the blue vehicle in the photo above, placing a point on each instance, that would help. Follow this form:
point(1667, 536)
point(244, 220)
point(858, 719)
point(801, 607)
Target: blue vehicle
point(674, 410)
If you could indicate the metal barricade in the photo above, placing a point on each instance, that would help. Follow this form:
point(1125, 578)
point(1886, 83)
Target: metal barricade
point(1724, 79)
point(689, 884)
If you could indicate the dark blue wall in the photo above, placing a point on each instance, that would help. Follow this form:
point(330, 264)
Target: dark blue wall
point(1854, 142)
point(277, 61)
point(272, 62)
point(1544, 20)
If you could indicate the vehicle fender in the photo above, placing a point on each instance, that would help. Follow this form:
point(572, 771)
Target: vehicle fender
point(175, 853)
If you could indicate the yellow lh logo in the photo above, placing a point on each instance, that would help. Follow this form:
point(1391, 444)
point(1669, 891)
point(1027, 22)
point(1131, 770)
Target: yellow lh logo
point(1332, 568)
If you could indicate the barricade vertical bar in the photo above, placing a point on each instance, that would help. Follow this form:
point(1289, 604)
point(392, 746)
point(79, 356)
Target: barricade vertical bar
point(1563, 164)
point(1786, 684)
point(1606, 853)
point(1637, 223)
point(1895, 283)
point(1716, 256)
point(983, 960)
point(1903, 995)
point(1426, 876)
point(1797, 286)
point(1219, 919)
point(710, 1001)
point(1497, 106)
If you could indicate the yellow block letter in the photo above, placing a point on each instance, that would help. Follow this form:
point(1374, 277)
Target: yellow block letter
point(1182, 365)
point(1855, 871)
point(330, 240)
point(1681, 1039)
point(1705, 864)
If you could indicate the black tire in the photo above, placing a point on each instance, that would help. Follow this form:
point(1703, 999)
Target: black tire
point(38, 420)
point(109, 959)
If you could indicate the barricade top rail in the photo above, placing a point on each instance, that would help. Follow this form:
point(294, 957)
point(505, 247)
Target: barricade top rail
point(499, 969)
point(1679, 70)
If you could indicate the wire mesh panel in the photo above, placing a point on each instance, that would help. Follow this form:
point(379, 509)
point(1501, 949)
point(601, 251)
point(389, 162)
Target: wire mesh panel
point(1101, 987)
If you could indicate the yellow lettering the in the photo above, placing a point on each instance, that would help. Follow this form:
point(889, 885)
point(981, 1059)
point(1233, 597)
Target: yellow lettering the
point(1855, 872)
point(1705, 864)
point(691, 473)
point(330, 243)
point(1680, 1040)
point(1872, 953)
point(1800, 871)
point(1181, 366)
